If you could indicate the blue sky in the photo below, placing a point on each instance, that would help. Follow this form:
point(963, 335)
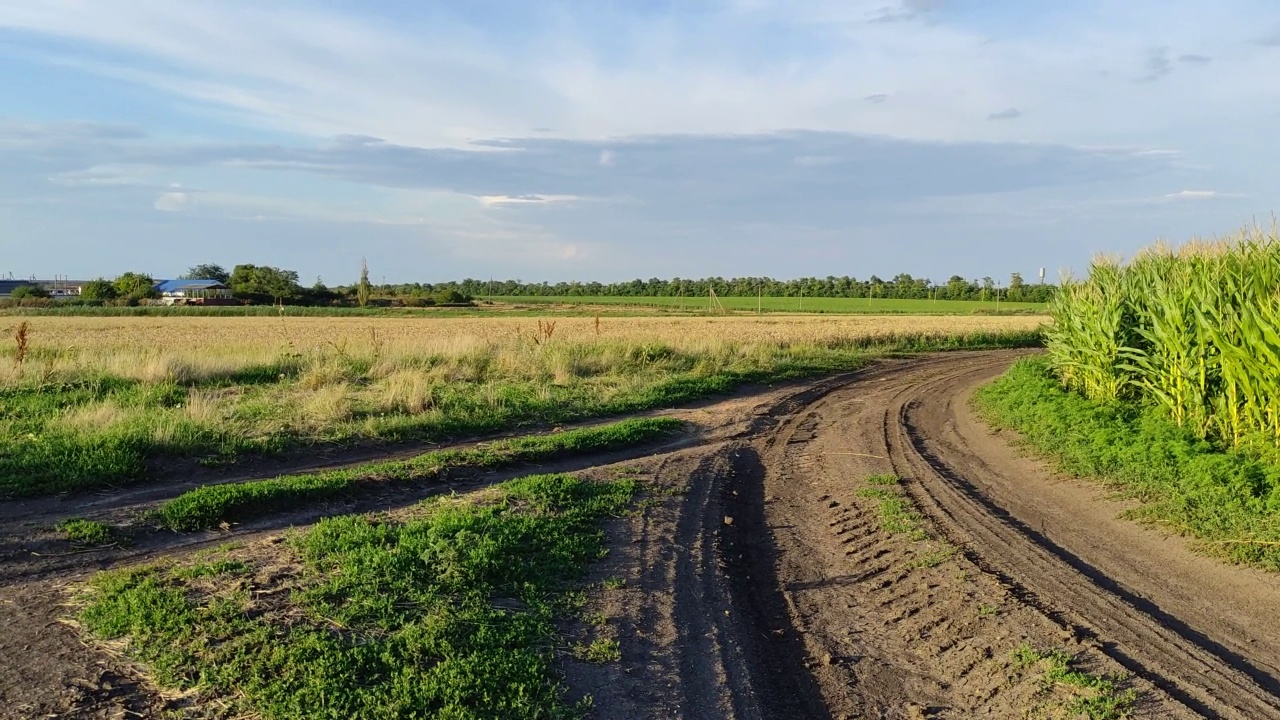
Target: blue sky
point(608, 140)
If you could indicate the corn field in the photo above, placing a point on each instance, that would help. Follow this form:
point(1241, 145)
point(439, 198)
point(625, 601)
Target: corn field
point(1194, 330)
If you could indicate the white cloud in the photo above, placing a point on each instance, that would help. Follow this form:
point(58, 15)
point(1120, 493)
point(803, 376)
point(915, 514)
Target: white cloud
point(173, 201)
point(492, 200)
point(607, 158)
point(1198, 195)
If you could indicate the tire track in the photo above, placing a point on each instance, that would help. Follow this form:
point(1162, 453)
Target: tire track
point(1198, 671)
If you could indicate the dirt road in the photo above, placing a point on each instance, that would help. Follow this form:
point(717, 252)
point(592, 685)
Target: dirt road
point(805, 607)
point(763, 581)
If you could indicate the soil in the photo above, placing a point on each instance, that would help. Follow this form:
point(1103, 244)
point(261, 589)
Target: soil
point(759, 582)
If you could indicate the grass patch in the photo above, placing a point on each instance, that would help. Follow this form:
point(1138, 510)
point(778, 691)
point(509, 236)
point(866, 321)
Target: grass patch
point(897, 515)
point(211, 505)
point(1230, 500)
point(451, 614)
point(599, 651)
point(935, 557)
point(1096, 697)
point(87, 533)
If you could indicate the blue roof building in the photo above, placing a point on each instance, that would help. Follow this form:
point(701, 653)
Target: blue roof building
point(197, 290)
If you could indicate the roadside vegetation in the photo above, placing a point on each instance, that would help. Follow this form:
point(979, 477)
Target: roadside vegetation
point(449, 612)
point(1228, 498)
point(98, 404)
point(1161, 377)
point(210, 505)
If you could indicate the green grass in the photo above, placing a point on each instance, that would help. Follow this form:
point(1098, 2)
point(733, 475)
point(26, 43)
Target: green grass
point(897, 516)
point(86, 533)
point(1095, 697)
point(1228, 499)
point(211, 505)
point(268, 411)
point(599, 651)
point(792, 304)
point(451, 614)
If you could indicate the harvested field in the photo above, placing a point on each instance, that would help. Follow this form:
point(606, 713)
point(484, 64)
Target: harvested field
point(855, 546)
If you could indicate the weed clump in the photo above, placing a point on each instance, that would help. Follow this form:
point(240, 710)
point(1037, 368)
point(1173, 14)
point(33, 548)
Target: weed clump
point(1096, 697)
point(86, 533)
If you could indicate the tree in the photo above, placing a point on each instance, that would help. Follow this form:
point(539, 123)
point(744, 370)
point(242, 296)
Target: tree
point(29, 292)
point(136, 286)
point(257, 282)
point(1016, 286)
point(99, 289)
point(363, 289)
point(208, 271)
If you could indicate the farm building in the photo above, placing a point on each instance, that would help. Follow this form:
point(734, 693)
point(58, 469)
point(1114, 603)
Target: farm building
point(63, 288)
point(194, 292)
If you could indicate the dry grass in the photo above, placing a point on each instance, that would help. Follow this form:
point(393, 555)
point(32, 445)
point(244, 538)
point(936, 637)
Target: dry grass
point(95, 418)
point(186, 349)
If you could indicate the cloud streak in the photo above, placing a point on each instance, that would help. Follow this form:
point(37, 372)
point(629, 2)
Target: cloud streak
point(1010, 114)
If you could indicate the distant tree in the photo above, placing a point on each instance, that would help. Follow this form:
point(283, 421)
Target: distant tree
point(29, 292)
point(957, 288)
point(136, 286)
point(258, 282)
point(1016, 286)
point(208, 271)
point(451, 297)
point(363, 290)
point(99, 289)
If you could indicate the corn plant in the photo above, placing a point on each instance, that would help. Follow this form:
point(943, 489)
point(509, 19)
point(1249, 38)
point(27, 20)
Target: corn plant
point(1194, 331)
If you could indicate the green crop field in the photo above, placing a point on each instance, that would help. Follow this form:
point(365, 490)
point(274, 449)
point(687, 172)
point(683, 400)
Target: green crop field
point(877, 306)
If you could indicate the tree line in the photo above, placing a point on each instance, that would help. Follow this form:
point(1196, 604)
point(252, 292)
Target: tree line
point(264, 284)
point(902, 286)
